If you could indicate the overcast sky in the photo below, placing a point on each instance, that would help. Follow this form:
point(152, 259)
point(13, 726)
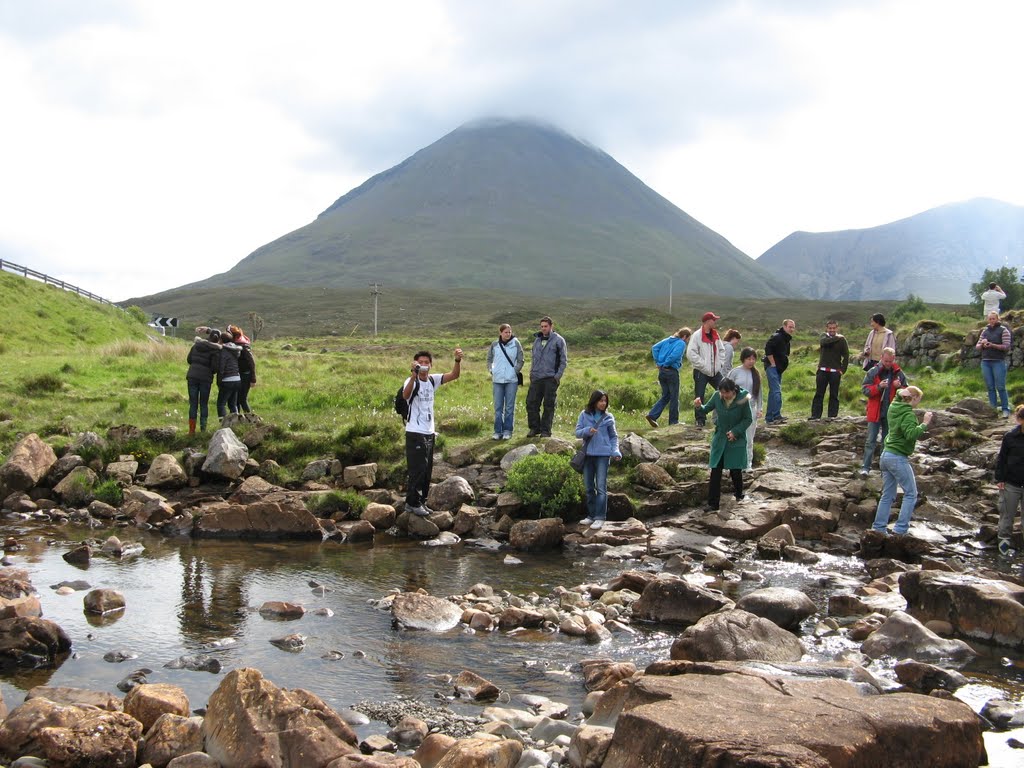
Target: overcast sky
point(144, 145)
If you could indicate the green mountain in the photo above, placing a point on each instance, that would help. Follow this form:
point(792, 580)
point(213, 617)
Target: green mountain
point(935, 255)
point(503, 206)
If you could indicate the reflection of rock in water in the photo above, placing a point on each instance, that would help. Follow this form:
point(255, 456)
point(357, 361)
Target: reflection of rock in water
point(211, 598)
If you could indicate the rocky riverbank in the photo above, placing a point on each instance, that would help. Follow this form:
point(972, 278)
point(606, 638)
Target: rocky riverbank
point(738, 687)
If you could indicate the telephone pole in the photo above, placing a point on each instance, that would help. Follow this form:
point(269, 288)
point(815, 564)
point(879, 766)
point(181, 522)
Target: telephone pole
point(375, 292)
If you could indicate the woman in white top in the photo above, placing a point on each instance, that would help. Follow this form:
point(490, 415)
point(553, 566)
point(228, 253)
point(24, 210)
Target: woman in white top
point(747, 376)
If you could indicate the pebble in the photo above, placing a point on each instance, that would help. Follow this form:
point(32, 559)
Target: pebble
point(292, 643)
point(116, 657)
point(444, 720)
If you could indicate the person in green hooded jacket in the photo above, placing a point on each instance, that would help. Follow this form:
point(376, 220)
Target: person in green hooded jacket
point(904, 431)
point(731, 405)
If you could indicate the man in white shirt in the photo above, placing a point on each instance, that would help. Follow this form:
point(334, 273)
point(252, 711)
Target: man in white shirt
point(418, 392)
point(991, 298)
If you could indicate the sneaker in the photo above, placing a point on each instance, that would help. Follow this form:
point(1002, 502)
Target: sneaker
point(418, 511)
point(586, 521)
point(597, 525)
point(428, 510)
point(652, 422)
point(531, 433)
point(1005, 548)
point(863, 473)
point(543, 434)
point(814, 418)
point(496, 436)
point(506, 436)
point(1006, 414)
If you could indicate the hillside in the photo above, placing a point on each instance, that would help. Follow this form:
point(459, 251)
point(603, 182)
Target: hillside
point(935, 255)
point(502, 206)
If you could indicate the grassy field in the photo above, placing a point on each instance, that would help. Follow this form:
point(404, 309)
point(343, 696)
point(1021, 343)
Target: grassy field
point(68, 365)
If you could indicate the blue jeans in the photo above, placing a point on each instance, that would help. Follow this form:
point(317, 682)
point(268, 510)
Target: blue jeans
point(700, 388)
point(668, 378)
point(874, 427)
point(773, 410)
point(227, 397)
point(504, 406)
point(199, 400)
point(595, 481)
point(896, 470)
point(994, 372)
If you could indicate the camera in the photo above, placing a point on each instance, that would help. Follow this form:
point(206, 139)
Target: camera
point(417, 368)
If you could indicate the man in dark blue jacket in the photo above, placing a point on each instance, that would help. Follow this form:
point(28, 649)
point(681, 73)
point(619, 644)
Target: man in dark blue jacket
point(776, 360)
point(668, 356)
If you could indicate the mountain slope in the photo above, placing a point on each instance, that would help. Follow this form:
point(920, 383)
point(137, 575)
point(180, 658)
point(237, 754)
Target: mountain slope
point(935, 255)
point(500, 205)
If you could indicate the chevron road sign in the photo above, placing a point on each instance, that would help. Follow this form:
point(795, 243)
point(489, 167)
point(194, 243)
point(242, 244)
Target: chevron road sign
point(164, 322)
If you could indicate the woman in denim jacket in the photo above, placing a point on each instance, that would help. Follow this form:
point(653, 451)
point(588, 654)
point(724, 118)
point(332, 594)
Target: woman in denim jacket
point(601, 444)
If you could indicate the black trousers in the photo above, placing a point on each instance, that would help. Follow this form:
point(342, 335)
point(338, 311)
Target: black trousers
point(715, 486)
point(419, 457)
point(822, 380)
point(700, 388)
point(541, 391)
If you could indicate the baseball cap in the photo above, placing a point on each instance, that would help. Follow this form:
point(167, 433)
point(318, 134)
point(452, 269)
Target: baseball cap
point(709, 316)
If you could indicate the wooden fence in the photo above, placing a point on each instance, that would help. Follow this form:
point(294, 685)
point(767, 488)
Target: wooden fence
point(46, 279)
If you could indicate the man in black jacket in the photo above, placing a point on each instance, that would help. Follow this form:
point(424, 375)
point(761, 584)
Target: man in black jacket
point(776, 360)
point(833, 360)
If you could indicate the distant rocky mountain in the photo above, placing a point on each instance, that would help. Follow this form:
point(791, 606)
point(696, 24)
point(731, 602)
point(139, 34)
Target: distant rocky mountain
point(935, 255)
point(502, 205)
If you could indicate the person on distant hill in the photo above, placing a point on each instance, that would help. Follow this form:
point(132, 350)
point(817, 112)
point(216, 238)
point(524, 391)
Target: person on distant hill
point(904, 430)
point(1010, 481)
point(879, 337)
point(706, 353)
point(596, 427)
point(246, 367)
point(880, 386)
point(729, 443)
point(732, 339)
point(547, 365)
point(202, 361)
point(995, 343)
point(990, 299)
point(747, 377)
point(418, 392)
point(668, 356)
point(833, 360)
point(776, 361)
point(505, 362)
point(228, 377)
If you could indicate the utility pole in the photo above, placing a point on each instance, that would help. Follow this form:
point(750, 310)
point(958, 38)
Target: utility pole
point(375, 292)
point(670, 294)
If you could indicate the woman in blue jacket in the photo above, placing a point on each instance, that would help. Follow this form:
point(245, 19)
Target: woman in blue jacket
point(596, 427)
point(505, 362)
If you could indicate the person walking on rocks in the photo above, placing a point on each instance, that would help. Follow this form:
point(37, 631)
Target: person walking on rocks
point(418, 392)
point(202, 360)
point(705, 352)
point(776, 361)
point(668, 356)
point(505, 362)
point(904, 431)
point(547, 365)
point(991, 299)
point(747, 377)
point(833, 360)
point(880, 385)
point(995, 343)
point(1010, 481)
point(729, 442)
point(596, 427)
point(879, 337)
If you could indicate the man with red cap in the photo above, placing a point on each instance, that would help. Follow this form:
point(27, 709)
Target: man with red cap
point(706, 353)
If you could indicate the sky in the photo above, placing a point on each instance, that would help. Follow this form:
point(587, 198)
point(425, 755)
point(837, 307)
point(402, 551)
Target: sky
point(145, 145)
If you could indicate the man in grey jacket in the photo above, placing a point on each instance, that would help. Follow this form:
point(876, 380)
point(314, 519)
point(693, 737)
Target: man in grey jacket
point(547, 364)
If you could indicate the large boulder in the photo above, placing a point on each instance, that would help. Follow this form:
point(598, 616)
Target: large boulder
point(171, 736)
point(147, 702)
point(537, 535)
point(903, 636)
point(675, 601)
point(29, 461)
point(226, 455)
point(360, 476)
point(450, 494)
point(780, 605)
point(250, 721)
point(731, 720)
point(632, 445)
point(413, 610)
point(975, 607)
point(482, 753)
point(165, 472)
point(32, 642)
point(262, 520)
point(736, 636)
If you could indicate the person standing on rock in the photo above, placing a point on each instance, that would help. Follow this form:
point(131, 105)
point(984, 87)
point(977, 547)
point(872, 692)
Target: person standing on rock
point(202, 361)
point(904, 431)
point(705, 352)
point(880, 385)
point(833, 360)
point(747, 377)
point(505, 362)
point(668, 356)
point(729, 442)
point(418, 392)
point(596, 427)
point(879, 337)
point(995, 343)
point(776, 361)
point(547, 365)
point(1010, 481)
point(991, 299)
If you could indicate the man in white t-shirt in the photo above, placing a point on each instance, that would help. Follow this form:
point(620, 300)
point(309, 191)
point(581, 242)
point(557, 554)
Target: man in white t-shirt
point(419, 429)
point(990, 299)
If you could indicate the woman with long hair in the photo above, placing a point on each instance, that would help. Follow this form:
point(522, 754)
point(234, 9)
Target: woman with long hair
point(748, 377)
point(505, 363)
point(729, 443)
point(596, 427)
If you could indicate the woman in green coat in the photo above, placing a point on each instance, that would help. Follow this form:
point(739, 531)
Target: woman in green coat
point(731, 405)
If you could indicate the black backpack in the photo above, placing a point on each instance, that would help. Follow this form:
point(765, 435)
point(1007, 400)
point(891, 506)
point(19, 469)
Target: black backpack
point(402, 406)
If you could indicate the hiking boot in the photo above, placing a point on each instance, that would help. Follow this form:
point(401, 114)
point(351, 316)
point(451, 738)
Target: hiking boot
point(652, 422)
point(1005, 548)
point(418, 511)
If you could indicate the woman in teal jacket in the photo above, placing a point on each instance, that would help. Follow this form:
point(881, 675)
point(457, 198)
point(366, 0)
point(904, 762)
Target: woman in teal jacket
point(904, 430)
point(731, 405)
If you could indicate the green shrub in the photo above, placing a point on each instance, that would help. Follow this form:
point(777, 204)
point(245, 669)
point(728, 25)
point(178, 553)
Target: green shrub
point(43, 384)
point(367, 440)
point(137, 314)
point(109, 492)
point(341, 504)
point(547, 481)
point(760, 453)
point(913, 306)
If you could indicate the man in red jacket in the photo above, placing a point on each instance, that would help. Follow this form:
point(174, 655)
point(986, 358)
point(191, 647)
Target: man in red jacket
point(880, 385)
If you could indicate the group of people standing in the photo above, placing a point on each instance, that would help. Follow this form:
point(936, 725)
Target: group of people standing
point(227, 357)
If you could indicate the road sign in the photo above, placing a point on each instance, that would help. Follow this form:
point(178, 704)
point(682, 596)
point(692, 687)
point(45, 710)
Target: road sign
point(164, 322)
